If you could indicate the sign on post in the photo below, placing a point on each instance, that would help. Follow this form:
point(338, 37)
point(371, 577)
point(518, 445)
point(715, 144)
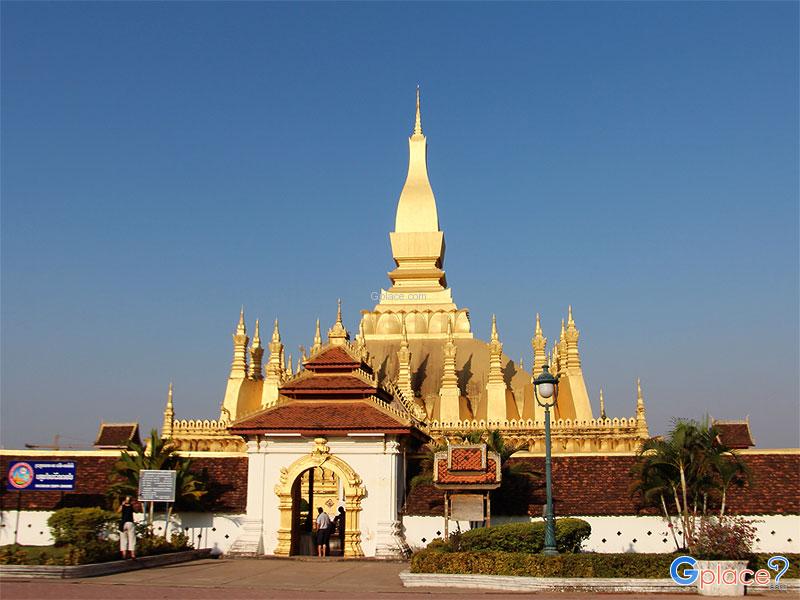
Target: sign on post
point(467, 507)
point(156, 485)
point(56, 476)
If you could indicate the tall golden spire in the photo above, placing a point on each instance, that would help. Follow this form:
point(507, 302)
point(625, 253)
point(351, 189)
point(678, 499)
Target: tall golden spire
point(641, 417)
point(602, 405)
point(496, 385)
point(404, 365)
point(169, 416)
point(449, 394)
point(256, 352)
point(276, 334)
point(539, 344)
point(317, 345)
point(240, 339)
point(561, 350)
point(418, 121)
point(571, 335)
point(275, 369)
point(416, 209)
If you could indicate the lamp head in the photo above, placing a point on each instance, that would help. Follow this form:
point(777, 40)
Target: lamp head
point(545, 385)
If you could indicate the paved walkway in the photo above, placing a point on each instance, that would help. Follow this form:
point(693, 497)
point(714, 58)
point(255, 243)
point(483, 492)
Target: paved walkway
point(260, 579)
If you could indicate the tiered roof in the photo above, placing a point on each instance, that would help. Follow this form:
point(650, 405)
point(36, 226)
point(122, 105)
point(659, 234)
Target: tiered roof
point(336, 394)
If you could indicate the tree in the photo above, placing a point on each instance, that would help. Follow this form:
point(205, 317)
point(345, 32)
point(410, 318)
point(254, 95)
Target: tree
point(691, 469)
point(157, 454)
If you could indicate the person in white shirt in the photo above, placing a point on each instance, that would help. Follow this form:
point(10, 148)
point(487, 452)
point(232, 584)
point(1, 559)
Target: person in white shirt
point(323, 527)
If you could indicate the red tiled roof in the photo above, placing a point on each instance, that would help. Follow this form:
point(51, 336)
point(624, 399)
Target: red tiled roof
point(317, 417)
point(117, 435)
point(735, 435)
point(328, 384)
point(466, 459)
point(467, 478)
point(599, 485)
point(333, 357)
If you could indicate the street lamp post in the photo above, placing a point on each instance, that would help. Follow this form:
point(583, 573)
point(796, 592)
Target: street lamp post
point(545, 386)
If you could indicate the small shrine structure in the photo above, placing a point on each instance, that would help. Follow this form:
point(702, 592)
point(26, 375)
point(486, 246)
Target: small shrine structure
point(466, 473)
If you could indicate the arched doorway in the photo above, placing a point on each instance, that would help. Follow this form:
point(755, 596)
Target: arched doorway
point(312, 489)
point(296, 480)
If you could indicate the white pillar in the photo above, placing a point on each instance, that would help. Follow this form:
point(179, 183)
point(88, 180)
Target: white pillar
point(390, 541)
point(251, 540)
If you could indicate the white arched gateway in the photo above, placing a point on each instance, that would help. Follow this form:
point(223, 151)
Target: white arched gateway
point(334, 438)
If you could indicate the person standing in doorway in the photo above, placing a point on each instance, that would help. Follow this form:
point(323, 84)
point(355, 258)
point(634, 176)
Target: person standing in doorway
point(323, 525)
point(127, 530)
point(338, 521)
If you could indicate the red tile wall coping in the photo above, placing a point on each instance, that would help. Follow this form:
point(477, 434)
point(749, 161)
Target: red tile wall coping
point(227, 476)
point(598, 486)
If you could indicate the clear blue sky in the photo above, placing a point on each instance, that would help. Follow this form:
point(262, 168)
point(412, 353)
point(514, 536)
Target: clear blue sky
point(163, 164)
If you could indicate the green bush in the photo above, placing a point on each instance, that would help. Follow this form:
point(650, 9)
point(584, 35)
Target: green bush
point(150, 543)
point(521, 537)
point(76, 526)
point(626, 566)
point(538, 565)
point(92, 551)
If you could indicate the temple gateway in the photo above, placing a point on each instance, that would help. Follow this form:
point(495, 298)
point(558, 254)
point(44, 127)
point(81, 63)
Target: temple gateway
point(342, 428)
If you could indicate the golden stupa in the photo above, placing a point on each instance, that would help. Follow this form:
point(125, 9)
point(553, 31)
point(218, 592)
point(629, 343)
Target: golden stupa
point(420, 343)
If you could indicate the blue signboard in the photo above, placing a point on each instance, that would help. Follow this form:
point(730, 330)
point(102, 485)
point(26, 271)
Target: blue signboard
point(41, 476)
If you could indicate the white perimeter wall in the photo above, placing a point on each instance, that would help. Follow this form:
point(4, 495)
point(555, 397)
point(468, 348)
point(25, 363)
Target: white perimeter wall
point(206, 530)
point(776, 533)
point(218, 531)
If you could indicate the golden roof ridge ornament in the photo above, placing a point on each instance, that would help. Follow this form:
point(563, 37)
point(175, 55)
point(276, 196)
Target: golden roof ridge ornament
point(338, 335)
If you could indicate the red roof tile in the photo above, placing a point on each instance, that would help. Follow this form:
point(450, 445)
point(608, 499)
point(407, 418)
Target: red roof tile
point(466, 459)
point(328, 384)
point(316, 417)
point(333, 357)
point(117, 435)
point(448, 477)
point(599, 485)
point(735, 435)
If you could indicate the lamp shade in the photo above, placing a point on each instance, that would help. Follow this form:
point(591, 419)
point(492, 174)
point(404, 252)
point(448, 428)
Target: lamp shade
point(545, 389)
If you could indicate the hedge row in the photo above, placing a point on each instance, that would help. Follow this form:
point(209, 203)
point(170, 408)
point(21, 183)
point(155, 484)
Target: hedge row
point(520, 537)
point(644, 566)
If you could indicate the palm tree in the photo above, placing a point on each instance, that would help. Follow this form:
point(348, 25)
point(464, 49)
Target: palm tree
point(730, 471)
point(156, 454)
point(654, 484)
point(689, 467)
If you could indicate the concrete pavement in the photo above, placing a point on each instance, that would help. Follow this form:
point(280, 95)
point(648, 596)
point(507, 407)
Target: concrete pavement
point(260, 579)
